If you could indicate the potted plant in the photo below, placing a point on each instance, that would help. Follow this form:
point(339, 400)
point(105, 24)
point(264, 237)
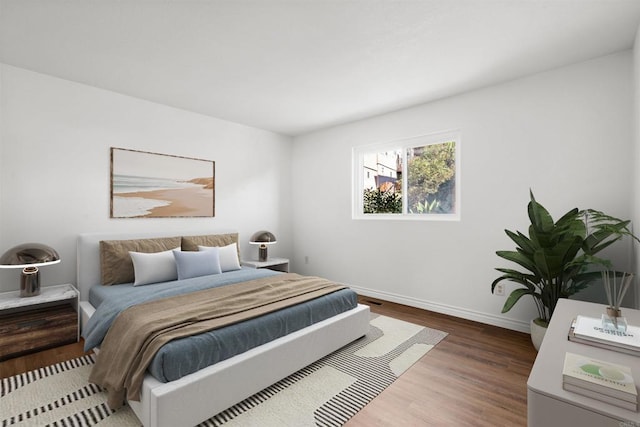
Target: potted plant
point(558, 257)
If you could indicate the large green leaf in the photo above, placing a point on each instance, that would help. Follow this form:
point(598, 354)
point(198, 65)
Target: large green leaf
point(539, 216)
point(516, 277)
point(549, 264)
point(597, 240)
point(522, 241)
point(568, 249)
point(514, 297)
point(520, 259)
point(572, 228)
point(540, 238)
point(530, 277)
point(571, 216)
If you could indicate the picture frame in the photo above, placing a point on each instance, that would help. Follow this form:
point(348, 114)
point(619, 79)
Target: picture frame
point(155, 185)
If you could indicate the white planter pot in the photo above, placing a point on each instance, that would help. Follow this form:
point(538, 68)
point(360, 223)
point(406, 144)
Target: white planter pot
point(537, 334)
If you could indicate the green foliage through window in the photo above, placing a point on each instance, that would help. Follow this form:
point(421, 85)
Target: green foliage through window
point(379, 201)
point(431, 178)
point(412, 179)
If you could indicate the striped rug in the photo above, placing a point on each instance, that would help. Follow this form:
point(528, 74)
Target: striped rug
point(326, 393)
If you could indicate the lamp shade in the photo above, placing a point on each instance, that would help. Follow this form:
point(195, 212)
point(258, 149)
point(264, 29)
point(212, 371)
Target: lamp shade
point(29, 255)
point(263, 238)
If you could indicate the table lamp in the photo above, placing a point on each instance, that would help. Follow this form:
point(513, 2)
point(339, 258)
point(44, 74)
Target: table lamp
point(262, 238)
point(29, 256)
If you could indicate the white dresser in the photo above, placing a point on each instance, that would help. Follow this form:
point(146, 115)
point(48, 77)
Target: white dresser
point(548, 405)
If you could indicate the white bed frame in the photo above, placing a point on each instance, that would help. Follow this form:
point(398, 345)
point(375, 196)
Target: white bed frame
point(198, 396)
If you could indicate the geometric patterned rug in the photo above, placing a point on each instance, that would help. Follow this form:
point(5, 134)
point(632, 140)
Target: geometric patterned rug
point(326, 393)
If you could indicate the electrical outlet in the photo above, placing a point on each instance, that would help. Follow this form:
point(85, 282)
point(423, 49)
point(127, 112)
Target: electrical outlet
point(499, 289)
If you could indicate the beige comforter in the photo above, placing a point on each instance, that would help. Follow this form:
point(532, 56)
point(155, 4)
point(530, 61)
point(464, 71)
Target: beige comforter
point(139, 331)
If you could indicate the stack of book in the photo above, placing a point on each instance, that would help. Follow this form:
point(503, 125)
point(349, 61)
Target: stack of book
point(589, 330)
point(604, 381)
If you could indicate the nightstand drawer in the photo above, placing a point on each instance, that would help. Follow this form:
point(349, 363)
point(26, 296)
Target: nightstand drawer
point(33, 330)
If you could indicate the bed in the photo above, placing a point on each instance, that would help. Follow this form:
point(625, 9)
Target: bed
point(196, 396)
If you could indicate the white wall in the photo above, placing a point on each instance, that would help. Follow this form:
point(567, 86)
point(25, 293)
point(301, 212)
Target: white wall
point(636, 155)
point(567, 134)
point(1, 149)
point(54, 167)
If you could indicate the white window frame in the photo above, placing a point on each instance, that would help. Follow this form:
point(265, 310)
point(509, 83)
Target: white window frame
point(358, 154)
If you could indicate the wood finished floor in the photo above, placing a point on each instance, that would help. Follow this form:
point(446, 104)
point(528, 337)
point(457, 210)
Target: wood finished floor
point(477, 376)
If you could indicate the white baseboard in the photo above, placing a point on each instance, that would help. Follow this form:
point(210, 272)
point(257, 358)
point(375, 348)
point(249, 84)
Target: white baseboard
point(476, 316)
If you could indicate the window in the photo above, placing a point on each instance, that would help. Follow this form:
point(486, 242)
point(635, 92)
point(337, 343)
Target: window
point(416, 179)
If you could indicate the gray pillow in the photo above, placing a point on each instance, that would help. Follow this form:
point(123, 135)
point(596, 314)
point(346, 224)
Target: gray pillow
point(195, 264)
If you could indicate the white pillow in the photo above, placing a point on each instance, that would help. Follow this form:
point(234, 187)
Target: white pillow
point(228, 256)
point(153, 267)
point(195, 264)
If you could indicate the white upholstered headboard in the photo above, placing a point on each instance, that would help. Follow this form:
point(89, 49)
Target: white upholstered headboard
point(88, 248)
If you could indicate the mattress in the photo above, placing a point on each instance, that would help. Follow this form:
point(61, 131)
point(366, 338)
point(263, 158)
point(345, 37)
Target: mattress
point(187, 355)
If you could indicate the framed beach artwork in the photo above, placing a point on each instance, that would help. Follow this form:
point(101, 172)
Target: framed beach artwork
point(152, 185)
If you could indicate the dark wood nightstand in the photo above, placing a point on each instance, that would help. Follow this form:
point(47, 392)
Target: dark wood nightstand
point(32, 324)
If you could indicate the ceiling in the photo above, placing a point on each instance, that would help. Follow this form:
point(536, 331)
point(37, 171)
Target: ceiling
point(295, 66)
